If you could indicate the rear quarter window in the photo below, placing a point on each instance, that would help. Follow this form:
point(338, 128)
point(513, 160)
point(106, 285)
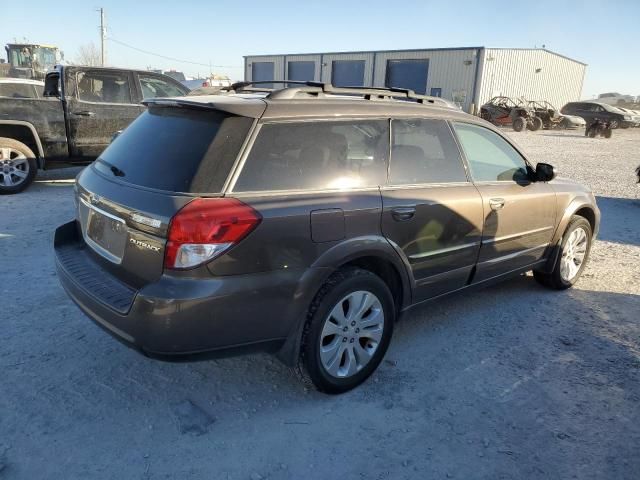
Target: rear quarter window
point(317, 156)
point(177, 150)
point(18, 90)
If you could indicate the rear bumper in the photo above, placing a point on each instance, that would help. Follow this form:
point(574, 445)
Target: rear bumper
point(179, 315)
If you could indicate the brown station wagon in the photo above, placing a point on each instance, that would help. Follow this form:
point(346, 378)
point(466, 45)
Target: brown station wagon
point(305, 220)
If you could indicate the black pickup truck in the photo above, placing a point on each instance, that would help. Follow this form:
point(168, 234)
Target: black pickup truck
point(80, 110)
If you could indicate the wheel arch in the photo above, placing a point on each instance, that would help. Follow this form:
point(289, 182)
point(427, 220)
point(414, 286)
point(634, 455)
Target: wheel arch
point(26, 133)
point(580, 207)
point(371, 253)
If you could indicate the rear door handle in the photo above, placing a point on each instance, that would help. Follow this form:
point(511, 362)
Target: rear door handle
point(84, 113)
point(496, 203)
point(401, 214)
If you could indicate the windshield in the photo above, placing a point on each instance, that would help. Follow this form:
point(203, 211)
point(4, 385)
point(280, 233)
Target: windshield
point(613, 109)
point(29, 56)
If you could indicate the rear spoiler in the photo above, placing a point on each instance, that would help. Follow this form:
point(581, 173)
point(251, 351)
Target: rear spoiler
point(253, 108)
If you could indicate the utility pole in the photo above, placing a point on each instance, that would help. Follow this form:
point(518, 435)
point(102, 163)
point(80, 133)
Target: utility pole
point(103, 36)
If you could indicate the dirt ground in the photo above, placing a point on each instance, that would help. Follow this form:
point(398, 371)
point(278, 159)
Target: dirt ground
point(513, 381)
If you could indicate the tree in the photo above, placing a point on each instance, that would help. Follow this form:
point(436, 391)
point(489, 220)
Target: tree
point(89, 55)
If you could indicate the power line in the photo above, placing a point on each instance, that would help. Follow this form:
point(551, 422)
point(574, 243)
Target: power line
point(173, 59)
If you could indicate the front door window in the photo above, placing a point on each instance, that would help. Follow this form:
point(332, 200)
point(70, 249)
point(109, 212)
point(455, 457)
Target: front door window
point(104, 87)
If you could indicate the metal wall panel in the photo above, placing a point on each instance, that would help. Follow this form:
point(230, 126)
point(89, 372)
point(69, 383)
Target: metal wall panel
point(509, 72)
point(534, 74)
point(453, 71)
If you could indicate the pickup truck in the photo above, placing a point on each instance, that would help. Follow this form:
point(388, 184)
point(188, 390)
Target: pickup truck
point(80, 110)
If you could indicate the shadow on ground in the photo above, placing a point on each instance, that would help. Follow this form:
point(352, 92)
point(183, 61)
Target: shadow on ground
point(620, 222)
point(512, 381)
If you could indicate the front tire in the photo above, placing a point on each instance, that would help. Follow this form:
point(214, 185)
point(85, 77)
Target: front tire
point(18, 166)
point(574, 253)
point(348, 330)
point(519, 124)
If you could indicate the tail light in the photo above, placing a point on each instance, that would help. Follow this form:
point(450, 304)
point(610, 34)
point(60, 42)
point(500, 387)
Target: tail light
point(205, 228)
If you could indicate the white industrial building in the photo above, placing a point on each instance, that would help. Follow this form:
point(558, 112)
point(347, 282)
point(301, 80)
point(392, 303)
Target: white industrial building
point(469, 76)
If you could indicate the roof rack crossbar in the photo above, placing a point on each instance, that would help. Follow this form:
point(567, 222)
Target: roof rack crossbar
point(240, 86)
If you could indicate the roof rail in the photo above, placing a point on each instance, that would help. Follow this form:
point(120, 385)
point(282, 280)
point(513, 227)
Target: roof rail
point(244, 86)
point(369, 93)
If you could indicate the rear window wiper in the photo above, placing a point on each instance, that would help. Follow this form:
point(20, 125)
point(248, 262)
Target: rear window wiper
point(115, 170)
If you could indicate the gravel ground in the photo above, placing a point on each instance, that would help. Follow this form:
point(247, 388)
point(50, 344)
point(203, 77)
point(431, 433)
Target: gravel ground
point(513, 381)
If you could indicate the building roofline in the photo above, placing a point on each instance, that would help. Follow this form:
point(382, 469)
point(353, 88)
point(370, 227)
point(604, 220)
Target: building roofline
point(366, 52)
point(540, 49)
point(406, 50)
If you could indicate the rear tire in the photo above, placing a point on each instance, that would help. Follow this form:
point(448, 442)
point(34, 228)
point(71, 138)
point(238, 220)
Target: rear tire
point(345, 338)
point(18, 166)
point(519, 124)
point(575, 246)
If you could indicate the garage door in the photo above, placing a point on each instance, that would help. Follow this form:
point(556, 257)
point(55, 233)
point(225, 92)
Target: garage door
point(261, 71)
point(411, 74)
point(347, 73)
point(301, 71)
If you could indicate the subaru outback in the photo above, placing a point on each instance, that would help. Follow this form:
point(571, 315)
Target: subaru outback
point(304, 220)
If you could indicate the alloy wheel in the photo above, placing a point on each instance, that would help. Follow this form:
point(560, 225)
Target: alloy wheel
point(14, 167)
point(351, 334)
point(573, 254)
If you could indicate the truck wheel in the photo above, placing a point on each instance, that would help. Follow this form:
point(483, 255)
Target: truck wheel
point(536, 123)
point(17, 166)
point(349, 326)
point(519, 124)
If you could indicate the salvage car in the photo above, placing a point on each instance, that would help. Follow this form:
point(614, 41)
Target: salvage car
point(635, 116)
point(508, 111)
point(80, 110)
point(304, 221)
point(551, 117)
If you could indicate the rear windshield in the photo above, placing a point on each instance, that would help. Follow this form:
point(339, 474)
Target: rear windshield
point(176, 149)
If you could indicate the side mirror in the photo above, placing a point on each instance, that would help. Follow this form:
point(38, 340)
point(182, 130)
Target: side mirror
point(51, 85)
point(545, 172)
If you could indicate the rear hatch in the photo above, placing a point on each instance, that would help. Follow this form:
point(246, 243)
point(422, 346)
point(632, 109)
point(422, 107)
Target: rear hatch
point(127, 197)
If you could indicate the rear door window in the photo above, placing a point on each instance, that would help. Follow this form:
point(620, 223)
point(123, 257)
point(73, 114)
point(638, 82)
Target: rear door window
point(424, 151)
point(176, 149)
point(317, 156)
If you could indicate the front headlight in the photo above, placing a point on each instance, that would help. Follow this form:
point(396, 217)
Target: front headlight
point(627, 117)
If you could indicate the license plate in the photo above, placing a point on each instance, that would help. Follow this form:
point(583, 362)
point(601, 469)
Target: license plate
point(105, 233)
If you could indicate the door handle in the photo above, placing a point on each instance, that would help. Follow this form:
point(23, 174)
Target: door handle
point(401, 214)
point(84, 113)
point(496, 203)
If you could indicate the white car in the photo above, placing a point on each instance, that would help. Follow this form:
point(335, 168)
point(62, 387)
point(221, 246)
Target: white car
point(635, 116)
point(21, 88)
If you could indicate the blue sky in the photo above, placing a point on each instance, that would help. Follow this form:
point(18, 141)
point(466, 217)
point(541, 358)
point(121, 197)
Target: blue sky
point(603, 34)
